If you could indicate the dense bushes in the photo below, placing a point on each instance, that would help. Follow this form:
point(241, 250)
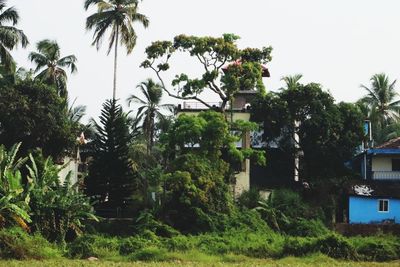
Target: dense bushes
point(17, 244)
point(381, 248)
point(331, 245)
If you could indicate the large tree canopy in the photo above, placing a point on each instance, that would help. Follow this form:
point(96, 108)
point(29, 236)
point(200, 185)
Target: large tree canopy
point(34, 114)
point(202, 155)
point(328, 132)
point(227, 69)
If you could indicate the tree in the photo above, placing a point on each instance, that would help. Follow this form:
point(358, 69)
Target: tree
point(328, 132)
point(34, 114)
point(118, 16)
point(50, 65)
point(202, 155)
point(227, 69)
point(111, 178)
point(149, 110)
point(10, 37)
point(381, 104)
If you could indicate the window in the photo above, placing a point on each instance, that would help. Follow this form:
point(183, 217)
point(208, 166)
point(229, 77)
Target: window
point(395, 165)
point(383, 205)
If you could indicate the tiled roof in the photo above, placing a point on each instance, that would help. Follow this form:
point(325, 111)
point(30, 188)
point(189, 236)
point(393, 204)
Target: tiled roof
point(393, 143)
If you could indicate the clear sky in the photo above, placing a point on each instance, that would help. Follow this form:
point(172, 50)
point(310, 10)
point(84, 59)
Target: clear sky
point(338, 43)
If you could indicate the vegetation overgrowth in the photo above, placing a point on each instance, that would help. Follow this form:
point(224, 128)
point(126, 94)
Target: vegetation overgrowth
point(157, 187)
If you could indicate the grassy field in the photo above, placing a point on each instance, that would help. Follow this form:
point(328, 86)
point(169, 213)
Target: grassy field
point(315, 260)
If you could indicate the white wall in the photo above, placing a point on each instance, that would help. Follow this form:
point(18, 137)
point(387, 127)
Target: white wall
point(381, 164)
point(71, 166)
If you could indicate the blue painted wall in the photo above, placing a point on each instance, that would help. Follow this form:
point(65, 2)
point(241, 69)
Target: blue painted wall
point(365, 210)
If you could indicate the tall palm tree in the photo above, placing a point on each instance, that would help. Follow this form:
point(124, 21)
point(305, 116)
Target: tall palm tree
point(150, 107)
point(51, 65)
point(118, 16)
point(10, 37)
point(292, 82)
point(381, 100)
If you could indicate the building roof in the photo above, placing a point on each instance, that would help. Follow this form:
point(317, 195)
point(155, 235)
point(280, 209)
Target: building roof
point(391, 144)
point(383, 189)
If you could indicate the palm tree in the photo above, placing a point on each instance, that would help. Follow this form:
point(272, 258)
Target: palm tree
point(292, 82)
point(149, 110)
point(118, 16)
point(10, 37)
point(51, 66)
point(381, 99)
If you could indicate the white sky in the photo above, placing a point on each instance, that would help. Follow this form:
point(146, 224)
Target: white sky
point(338, 43)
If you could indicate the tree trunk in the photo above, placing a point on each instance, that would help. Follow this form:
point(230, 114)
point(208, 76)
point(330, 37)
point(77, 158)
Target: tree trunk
point(115, 63)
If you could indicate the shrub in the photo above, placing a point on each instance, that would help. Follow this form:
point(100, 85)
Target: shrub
point(299, 246)
point(336, 246)
point(377, 250)
point(17, 244)
point(93, 246)
point(179, 243)
point(303, 227)
point(150, 254)
point(82, 247)
point(146, 222)
point(132, 244)
point(249, 199)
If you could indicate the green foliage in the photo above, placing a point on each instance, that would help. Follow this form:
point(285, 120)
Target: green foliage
point(111, 178)
point(14, 202)
point(244, 72)
point(304, 227)
point(332, 245)
point(146, 222)
point(33, 113)
point(93, 246)
point(328, 132)
point(149, 254)
point(336, 246)
point(202, 156)
point(51, 66)
point(56, 207)
point(249, 199)
point(118, 16)
point(377, 248)
point(11, 37)
point(17, 244)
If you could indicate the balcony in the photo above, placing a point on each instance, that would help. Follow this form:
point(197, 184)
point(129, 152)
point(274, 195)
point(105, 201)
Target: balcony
point(386, 175)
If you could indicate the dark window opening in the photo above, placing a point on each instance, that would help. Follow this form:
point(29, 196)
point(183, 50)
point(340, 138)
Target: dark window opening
point(396, 165)
point(383, 205)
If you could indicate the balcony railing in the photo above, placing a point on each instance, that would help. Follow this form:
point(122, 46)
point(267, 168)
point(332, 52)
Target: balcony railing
point(386, 175)
point(199, 105)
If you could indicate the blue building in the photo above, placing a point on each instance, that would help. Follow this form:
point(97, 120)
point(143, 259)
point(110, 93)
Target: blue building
point(370, 203)
point(376, 198)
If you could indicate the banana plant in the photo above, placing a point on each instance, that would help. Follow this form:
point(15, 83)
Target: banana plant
point(57, 207)
point(14, 200)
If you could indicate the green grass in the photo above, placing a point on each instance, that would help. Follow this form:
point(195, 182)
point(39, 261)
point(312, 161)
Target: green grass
point(199, 259)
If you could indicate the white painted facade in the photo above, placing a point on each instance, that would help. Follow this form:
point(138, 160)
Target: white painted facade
point(382, 169)
point(381, 163)
point(70, 165)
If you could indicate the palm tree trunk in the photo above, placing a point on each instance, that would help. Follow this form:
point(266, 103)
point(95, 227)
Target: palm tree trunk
point(115, 63)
